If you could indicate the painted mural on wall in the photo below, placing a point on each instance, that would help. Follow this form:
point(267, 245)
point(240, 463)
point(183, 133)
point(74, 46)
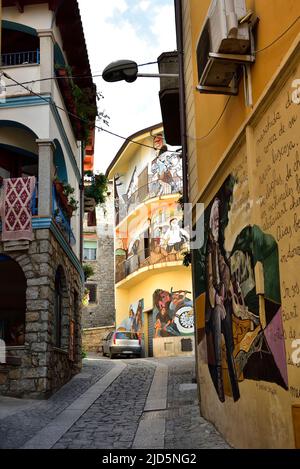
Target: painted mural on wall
point(135, 320)
point(162, 175)
point(237, 284)
point(156, 239)
point(173, 313)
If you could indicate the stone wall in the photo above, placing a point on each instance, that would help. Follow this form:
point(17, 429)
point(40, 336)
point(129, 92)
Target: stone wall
point(102, 313)
point(172, 346)
point(92, 338)
point(42, 369)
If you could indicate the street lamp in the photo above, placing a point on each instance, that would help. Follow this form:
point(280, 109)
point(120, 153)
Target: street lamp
point(128, 70)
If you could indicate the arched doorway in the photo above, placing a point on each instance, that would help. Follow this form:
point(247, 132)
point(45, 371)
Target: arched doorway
point(13, 302)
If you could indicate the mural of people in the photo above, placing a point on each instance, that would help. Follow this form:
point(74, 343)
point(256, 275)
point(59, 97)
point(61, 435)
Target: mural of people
point(218, 311)
point(243, 324)
point(134, 322)
point(175, 237)
point(172, 313)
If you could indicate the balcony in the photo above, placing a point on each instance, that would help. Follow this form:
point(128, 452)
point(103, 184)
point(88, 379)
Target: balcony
point(147, 258)
point(62, 221)
point(15, 59)
point(152, 190)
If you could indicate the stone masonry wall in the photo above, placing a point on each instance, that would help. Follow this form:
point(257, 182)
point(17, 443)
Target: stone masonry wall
point(92, 338)
point(43, 369)
point(102, 313)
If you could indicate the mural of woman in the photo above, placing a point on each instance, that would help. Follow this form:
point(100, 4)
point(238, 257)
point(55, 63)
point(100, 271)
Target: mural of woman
point(218, 311)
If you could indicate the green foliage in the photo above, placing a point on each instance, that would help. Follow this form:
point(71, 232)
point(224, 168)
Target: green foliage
point(88, 271)
point(83, 353)
point(97, 188)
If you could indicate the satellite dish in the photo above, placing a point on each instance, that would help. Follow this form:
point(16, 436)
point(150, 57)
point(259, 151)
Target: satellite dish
point(121, 70)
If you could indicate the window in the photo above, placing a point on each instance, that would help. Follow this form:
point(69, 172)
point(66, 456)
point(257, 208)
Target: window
point(90, 250)
point(92, 287)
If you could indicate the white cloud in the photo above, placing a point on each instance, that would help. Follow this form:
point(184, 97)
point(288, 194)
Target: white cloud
point(144, 5)
point(110, 36)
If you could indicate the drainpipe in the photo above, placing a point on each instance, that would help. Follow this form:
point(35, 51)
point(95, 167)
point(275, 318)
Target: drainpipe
point(179, 35)
point(182, 101)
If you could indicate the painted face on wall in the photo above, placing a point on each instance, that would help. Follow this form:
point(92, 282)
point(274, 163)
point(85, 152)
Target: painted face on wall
point(178, 297)
point(214, 220)
point(164, 298)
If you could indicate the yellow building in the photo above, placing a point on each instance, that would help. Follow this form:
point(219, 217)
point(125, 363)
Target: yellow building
point(244, 165)
point(153, 289)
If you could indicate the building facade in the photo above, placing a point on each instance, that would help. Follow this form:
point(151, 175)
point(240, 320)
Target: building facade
point(243, 165)
point(98, 253)
point(153, 290)
point(41, 169)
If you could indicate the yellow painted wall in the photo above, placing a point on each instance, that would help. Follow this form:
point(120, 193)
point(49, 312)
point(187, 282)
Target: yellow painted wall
point(262, 417)
point(204, 110)
point(178, 277)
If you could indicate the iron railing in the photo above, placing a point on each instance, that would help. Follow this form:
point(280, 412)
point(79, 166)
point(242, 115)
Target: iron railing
point(147, 257)
point(21, 58)
point(63, 222)
point(153, 189)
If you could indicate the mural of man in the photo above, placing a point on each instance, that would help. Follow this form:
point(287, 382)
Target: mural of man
point(218, 311)
point(175, 237)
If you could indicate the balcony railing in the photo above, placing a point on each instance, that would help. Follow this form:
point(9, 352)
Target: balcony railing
point(63, 222)
point(153, 189)
point(20, 58)
point(147, 257)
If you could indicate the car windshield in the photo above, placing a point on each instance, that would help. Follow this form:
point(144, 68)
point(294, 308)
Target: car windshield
point(127, 335)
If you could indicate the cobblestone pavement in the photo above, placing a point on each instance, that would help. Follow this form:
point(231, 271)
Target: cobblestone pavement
point(18, 428)
point(112, 421)
point(116, 417)
point(185, 428)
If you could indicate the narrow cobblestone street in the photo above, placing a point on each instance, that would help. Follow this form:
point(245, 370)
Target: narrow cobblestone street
point(120, 404)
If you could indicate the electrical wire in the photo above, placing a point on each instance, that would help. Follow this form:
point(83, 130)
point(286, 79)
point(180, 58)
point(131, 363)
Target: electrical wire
point(74, 77)
point(279, 37)
point(214, 126)
point(74, 115)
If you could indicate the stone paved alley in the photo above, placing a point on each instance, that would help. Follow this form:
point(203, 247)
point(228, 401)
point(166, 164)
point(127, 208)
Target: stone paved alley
point(131, 403)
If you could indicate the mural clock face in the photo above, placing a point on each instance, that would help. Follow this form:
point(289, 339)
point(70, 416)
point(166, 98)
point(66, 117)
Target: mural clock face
point(184, 320)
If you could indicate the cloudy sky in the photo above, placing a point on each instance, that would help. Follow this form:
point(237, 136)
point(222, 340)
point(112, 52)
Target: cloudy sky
point(138, 30)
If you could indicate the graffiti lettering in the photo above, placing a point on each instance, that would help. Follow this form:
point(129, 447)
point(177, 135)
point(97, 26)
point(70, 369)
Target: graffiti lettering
point(296, 353)
point(283, 231)
point(295, 392)
point(292, 314)
point(284, 151)
point(270, 123)
point(290, 292)
point(266, 388)
point(292, 252)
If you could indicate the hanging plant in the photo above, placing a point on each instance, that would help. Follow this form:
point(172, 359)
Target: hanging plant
point(96, 188)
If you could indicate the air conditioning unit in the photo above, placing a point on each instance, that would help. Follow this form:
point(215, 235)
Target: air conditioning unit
point(225, 45)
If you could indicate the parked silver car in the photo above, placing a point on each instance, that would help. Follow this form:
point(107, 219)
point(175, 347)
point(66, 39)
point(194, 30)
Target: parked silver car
point(122, 342)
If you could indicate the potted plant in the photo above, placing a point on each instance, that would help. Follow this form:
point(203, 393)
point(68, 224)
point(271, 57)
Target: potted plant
point(65, 193)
